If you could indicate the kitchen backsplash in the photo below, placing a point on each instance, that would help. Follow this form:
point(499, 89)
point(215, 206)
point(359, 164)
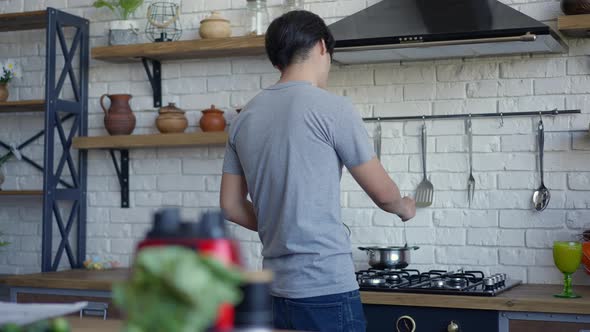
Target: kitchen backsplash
point(499, 233)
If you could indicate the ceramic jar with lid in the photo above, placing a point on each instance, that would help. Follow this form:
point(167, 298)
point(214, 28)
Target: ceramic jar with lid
point(212, 120)
point(171, 119)
point(215, 26)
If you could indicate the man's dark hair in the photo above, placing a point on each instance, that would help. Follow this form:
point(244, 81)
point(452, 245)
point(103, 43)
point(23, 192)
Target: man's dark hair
point(290, 38)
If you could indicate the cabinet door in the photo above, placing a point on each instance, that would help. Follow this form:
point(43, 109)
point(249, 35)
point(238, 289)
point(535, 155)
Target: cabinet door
point(384, 318)
point(112, 312)
point(536, 325)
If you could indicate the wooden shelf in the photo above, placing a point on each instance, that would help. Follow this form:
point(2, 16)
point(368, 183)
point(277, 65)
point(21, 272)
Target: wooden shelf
point(186, 49)
point(23, 21)
point(22, 106)
point(21, 192)
point(574, 25)
point(150, 141)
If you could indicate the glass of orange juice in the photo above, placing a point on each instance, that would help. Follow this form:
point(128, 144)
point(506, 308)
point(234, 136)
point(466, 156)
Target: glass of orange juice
point(567, 256)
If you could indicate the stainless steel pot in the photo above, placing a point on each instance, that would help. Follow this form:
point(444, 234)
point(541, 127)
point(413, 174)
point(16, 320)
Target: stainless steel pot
point(389, 257)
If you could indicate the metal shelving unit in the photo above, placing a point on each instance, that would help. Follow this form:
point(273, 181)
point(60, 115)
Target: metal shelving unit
point(62, 191)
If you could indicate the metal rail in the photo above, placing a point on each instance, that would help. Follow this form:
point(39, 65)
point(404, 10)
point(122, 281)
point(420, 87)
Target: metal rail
point(471, 115)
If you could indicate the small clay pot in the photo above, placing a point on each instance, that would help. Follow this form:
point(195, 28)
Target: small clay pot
point(3, 92)
point(575, 7)
point(171, 120)
point(215, 26)
point(212, 120)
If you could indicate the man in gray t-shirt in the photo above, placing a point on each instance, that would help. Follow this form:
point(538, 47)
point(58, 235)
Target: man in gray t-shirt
point(287, 149)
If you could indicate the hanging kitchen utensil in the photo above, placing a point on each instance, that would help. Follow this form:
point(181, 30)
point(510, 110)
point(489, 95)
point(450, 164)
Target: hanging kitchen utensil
point(425, 191)
point(377, 138)
point(471, 179)
point(542, 196)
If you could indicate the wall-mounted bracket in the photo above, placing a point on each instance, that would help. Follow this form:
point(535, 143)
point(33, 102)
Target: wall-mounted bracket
point(122, 169)
point(155, 77)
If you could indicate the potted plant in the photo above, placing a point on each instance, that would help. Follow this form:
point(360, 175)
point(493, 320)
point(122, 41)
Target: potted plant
point(7, 74)
point(123, 31)
point(585, 238)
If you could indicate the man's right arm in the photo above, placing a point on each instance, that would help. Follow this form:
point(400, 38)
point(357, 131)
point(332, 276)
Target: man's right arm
point(375, 181)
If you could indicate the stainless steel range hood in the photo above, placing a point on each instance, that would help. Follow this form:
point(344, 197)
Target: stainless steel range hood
point(401, 30)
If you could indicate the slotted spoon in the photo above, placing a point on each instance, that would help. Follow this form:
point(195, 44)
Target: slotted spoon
point(425, 191)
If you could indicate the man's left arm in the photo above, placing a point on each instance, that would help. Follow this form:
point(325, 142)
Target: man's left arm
point(234, 201)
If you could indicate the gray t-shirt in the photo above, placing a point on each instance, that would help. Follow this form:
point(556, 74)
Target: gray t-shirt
point(290, 142)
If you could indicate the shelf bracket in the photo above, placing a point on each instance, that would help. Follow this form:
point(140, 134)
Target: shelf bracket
point(122, 169)
point(155, 77)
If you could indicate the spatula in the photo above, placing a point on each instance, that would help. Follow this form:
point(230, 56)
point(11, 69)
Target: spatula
point(425, 191)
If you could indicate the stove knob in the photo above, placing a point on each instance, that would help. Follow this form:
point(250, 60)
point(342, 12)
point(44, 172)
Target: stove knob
point(488, 283)
point(453, 327)
point(496, 281)
point(405, 324)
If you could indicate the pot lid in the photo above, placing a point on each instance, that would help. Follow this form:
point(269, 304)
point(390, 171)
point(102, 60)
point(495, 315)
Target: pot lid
point(215, 17)
point(377, 248)
point(170, 108)
point(213, 110)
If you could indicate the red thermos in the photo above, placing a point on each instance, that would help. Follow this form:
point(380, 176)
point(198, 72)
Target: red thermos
point(208, 236)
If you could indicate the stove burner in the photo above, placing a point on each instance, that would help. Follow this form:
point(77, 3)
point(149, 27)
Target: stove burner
point(373, 281)
point(456, 282)
point(437, 283)
point(393, 278)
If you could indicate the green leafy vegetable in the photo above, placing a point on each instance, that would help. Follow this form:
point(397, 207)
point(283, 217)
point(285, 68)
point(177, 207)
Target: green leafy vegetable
point(124, 8)
point(175, 289)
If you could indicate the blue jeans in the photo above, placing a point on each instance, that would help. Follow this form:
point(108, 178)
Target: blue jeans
point(330, 313)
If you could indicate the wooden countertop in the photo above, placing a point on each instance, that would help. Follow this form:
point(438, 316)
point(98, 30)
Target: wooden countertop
point(98, 280)
point(530, 298)
point(88, 324)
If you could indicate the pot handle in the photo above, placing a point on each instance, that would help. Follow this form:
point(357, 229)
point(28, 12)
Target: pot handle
point(368, 250)
point(102, 104)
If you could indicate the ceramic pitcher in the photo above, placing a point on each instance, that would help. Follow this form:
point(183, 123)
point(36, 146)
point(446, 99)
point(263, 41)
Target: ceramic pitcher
point(119, 118)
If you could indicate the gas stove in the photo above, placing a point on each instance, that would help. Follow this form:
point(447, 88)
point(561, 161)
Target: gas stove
point(473, 283)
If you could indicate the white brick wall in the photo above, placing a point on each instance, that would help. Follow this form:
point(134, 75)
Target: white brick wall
point(498, 234)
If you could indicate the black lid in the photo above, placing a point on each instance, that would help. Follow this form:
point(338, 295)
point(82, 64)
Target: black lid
point(190, 229)
point(212, 225)
point(166, 223)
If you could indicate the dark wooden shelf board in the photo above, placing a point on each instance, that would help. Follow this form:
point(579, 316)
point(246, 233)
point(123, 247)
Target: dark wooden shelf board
point(23, 21)
point(574, 25)
point(186, 49)
point(21, 192)
point(22, 106)
point(150, 141)
point(69, 279)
